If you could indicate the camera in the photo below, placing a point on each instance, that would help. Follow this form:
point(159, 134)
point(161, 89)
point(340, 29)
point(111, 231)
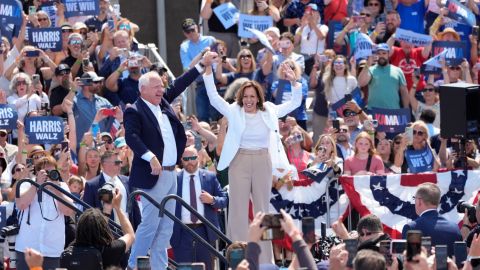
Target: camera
point(54, 175)
point(274, 228)
point(462, 205)
point(105, 193)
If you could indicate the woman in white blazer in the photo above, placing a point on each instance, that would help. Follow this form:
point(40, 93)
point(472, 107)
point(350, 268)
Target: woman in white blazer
point(251, 149)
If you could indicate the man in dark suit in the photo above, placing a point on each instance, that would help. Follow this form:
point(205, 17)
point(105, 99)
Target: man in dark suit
point(201, 190)
point(157, 139)
point(442, 231)
point(111, 174)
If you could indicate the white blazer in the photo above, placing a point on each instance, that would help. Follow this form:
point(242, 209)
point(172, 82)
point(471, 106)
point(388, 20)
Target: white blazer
point(236, 124)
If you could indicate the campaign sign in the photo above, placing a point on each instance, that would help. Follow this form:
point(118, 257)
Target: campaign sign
point(11, 10)
point(419, 160)
point(263, 39)
point(363, 47)
point(460, 13)
point(455, 51)
point(339, 106)
point(46, 38)
point(227, 13)
point(260, 23)
point(412, 37)
point(391, 120)
point(8, 116)
point(81, 7)
point(335, 27)
point(44, 129)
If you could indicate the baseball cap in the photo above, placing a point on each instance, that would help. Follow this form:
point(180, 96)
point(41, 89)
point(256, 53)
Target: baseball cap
point(120, 142)
point(66, 26)
point(91, 75)
point(62, 69)
point(313, 6)
point(106, 134)
point(188, 24)
point(383, 47)
point(274, 30)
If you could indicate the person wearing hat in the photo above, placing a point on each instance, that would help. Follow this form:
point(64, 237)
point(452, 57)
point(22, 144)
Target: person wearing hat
point(63, 77)
point(76, 54)
point(89, 108)
point(386, 82)
point(107, 140)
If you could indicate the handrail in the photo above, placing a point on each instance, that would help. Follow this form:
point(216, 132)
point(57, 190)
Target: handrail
point(83, 204)
point(163, 211)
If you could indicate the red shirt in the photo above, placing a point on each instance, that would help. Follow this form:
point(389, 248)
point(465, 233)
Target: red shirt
point(399, 59)
point(335, 11)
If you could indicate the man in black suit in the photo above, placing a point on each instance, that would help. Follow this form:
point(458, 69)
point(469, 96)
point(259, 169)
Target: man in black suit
point(430, 222)
point(157, 139)
point(202, 185)
point(111, 165)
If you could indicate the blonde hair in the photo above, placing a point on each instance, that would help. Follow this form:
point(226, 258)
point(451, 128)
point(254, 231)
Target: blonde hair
point(330, 139)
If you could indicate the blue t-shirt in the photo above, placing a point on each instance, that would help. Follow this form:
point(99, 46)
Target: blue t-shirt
point(283, 90)
point(189, 49)
point(412, 16)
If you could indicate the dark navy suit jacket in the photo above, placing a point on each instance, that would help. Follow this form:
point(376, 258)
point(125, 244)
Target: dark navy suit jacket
point(90, 197)
point(442, 231)
point(210, 184)
point(142, 132)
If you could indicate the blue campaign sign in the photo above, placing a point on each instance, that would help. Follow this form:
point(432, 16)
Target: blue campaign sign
point(11, 10)
point(391, 120)
point(227, 13)
point(412, 37)
point(339, 106)
point(460, 13)
point(8, 116)
point(455, 51)
point(81, 7)
point(46, 38)
point(364, 46)
point(260, 23)
point(44, 129)
point(419, 160)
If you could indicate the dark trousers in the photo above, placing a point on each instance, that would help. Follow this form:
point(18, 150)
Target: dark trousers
point(49, 263)
point(190, 250)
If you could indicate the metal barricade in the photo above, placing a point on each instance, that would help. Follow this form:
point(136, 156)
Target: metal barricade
point(349, 217)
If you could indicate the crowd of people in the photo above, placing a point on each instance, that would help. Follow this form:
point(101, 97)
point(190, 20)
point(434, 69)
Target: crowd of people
point(252, 133)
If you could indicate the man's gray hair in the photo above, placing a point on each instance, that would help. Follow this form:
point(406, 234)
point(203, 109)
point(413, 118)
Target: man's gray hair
point(145, 79)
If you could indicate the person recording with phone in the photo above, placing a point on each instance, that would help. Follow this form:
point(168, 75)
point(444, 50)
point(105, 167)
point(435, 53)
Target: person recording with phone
point(24, 98)
point(43, 222)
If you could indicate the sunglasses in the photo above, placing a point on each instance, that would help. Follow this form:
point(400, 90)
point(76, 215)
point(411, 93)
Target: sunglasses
point(83, 32)
point(42, 19)
point(108, 141)
point(75, 42)
point(343, 130)
point(38, 157)
point(373, 4)
point(3, 134)
point(192, 158)
point(418, 132)
point(67, 31)
point(429, 89)
point(349, 114)
point(188, 31)
point(246, 56)
point(124, 27)
point(397, 142)
point(338, 63)
point(454, 68)
point(19, 169)
point(21, 82)
point(365, 14)
point(366, 234)
point(117, 162)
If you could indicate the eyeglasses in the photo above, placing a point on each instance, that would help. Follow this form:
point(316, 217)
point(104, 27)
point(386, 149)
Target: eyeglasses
point(373, 4)
point(42, 19)
point(124, 27)
point(192, 158)
point(246, 56)
point(188, 31)
point(454, 68)
point(418, 132)
point(349, 114)
point(367, 234)
point(67, 30)
point(365, 14)
point(21, 82)
point(75, 42)
point(338, 63)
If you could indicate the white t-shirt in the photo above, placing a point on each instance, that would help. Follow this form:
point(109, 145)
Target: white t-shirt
point(24, 105)
point(4, 83)
point(256, 134)
point(310, 44)
point(341, 87)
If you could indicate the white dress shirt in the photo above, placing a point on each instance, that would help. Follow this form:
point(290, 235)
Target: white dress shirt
point(169, 146)
point(186, 216)
point(117, 183)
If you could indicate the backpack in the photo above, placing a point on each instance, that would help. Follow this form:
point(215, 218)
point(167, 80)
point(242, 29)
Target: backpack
point(81, 258)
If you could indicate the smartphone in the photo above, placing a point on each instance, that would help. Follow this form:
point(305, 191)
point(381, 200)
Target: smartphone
point(336, 125)
point(133, 64)
point(191, 266)
point(214, 47)
point(416, 72)
point(108, 112)
point(441, 257)
point(351, 246)
point(323, 58)
point(348, 97)
point(384, 249)
point(332, 115)
point(409, 134)
point(427, 244)
point(143, 263)
point(32, 10)
point(272, 223)
point(35, 79)
point(236, 256)
point(398, 246)
point(475, 31)
point(64, 146)
point(308, 230)
point(111, 24)
point(198, 142)
point(460, 252)
point(187, 125)
point(323, 230)
point(85, 62)
point(414, 244)
point(214, 125)
point(29, 162)
point(34, 53)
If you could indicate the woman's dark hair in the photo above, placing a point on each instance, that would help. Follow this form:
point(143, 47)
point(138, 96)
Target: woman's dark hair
point(258, 90)
point(93, 230)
